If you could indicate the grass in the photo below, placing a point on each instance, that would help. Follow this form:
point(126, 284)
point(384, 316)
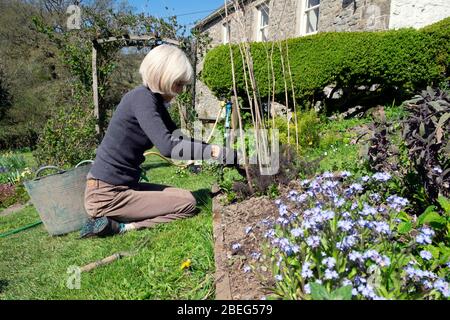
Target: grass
point(34, 265)
point(337, 145)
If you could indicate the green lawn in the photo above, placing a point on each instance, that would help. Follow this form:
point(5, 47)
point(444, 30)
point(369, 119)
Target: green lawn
point(34, 265)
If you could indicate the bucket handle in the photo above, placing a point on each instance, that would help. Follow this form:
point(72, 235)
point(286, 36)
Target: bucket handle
point(56, 168)
point(84, 161)
point(46, 167)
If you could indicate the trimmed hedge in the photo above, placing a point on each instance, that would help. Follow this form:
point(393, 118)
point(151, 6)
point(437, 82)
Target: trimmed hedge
point(401, 61)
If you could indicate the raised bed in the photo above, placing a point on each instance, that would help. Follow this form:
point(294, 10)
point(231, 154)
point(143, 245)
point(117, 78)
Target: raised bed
point(240, 273)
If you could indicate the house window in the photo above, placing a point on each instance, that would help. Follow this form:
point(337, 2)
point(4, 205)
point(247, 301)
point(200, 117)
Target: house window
point(263, 23)
point(226, 32)
point(311, 16)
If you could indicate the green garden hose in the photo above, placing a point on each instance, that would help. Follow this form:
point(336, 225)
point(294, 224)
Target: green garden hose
point(11, 232)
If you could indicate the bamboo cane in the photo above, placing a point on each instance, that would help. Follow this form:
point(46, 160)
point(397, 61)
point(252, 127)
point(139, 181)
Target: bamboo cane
point(246, 165)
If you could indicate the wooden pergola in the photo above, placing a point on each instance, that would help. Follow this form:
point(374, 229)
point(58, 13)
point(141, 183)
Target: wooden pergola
point(132, 41)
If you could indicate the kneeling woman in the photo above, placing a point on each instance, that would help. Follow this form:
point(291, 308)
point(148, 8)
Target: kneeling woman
point(114, 197)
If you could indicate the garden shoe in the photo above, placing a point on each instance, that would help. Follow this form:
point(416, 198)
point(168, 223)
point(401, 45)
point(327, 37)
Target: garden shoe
point(100, 227)
point(111, 227)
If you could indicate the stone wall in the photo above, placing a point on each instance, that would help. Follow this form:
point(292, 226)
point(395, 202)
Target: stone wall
point(354, 15)
point(417, 13)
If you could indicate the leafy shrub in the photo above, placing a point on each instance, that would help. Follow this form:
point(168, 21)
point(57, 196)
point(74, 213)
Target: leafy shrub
point(18, 136)
point(427, 136)
point(400, 61)
point(342, 238)
point(308, 126)
point(67, 139)
point(416, 148)
point(5, 95)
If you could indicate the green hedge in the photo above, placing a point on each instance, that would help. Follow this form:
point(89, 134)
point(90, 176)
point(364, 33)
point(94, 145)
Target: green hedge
point(399, 60)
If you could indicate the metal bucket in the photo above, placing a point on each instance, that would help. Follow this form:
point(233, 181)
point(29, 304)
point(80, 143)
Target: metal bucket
point(59, 198)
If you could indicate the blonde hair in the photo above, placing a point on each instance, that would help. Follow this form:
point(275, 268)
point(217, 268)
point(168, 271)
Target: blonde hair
point(164, 66)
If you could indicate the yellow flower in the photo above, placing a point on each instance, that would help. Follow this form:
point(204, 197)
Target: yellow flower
point(186, 264)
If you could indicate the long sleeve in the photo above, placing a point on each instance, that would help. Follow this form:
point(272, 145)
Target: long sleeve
point(155, 121)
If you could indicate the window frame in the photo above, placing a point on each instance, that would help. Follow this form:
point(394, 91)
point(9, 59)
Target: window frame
point(304, 18)
point(263, 8)
point(226, 33)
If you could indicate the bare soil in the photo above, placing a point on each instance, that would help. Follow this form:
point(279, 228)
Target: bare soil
point(241, 223)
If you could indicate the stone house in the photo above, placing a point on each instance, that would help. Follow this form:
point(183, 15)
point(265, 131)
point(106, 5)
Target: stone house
point(267, 20)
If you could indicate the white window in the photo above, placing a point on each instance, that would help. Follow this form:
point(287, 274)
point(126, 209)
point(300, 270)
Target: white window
point(226, 32)
point(310, 17)
point(263, 23)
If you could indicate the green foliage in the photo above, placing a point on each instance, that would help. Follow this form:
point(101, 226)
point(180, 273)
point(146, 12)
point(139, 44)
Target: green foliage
point(183, 107)
point(227, 181)
point(5, 94)
point(427, 137)
point(32, 72)
point(401, 61)
point(10, 161)
point(13, 168)
point(308, 128)
point(18, 136)
point(319, 292)
point(438, 217)
point(13, 171)
point(68, 138)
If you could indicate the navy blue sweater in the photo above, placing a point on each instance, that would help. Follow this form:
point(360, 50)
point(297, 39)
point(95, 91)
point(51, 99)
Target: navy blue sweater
point(140, 122)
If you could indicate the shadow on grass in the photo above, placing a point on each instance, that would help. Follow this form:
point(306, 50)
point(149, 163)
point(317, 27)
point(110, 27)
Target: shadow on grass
point(3, 285)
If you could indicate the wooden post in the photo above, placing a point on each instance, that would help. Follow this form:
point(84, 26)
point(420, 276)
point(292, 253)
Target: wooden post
point(194, 85)
point(95, 88)
point(183, 114)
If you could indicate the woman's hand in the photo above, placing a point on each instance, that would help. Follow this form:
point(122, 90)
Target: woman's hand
point(215, 151)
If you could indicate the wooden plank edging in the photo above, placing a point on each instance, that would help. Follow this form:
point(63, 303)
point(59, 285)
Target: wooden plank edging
point(222, 279)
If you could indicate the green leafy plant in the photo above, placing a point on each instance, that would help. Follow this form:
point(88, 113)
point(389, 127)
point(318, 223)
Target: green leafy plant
point(13, 168)
point(427, 137)
point(308, 126)
point(339, 237)
point(67, 139)
point(438, 217)
point(319, 292)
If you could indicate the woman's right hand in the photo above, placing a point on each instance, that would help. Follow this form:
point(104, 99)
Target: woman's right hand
point(215, 151)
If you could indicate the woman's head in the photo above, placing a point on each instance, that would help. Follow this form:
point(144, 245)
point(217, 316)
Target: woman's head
point(166, 70)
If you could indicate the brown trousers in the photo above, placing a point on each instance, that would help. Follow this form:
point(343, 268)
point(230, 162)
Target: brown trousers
point(144, 205)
